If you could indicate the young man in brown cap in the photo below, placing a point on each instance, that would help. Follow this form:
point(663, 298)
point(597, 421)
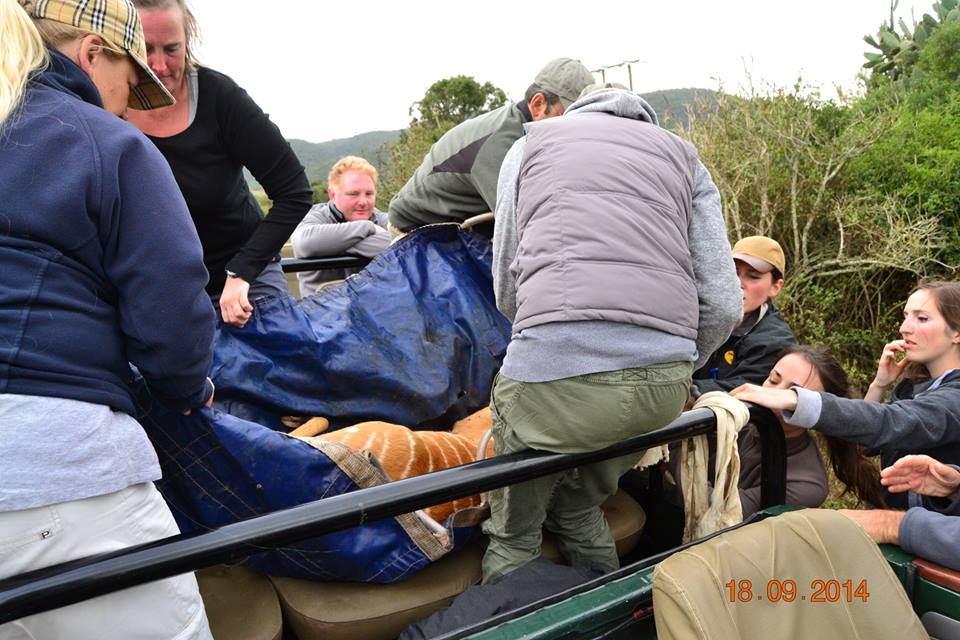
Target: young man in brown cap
point(751, 350)
point(458, 177)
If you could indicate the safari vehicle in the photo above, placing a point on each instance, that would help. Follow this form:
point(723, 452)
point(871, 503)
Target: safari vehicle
point(617, 605)
point(244, 605)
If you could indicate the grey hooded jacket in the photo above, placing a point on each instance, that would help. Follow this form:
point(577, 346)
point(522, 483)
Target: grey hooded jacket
point(323, 233)
point(697, 254)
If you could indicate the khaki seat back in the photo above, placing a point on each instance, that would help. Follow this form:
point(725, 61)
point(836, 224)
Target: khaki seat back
point(353, 610)
point(626, 520)
point(241, 604)
point(347, 610)
point(691, 598)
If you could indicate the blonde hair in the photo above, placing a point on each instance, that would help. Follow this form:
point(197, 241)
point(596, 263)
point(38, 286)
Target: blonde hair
point(350, 163)
point(26, 54)
point(23, 54)
point(191, 29)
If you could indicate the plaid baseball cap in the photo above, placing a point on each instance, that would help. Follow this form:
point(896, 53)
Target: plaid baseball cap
point(117, 22)
point(565, 78)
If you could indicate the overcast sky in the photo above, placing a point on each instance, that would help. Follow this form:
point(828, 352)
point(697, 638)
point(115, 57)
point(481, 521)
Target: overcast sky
point(325, 70)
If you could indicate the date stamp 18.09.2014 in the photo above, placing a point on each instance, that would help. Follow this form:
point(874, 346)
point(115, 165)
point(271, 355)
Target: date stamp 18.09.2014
point(828, 590)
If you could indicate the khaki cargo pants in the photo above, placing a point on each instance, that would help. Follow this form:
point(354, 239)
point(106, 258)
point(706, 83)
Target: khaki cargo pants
point(572, 415)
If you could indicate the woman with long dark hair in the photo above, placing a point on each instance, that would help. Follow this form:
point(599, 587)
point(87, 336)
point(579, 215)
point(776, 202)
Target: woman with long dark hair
point(923, 415)
point(814, 369)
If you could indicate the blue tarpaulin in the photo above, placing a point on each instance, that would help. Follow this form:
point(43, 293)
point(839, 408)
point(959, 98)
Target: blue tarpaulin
point(413, 339)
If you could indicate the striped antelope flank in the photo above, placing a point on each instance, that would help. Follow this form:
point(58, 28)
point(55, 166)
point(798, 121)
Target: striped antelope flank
point(404, 453)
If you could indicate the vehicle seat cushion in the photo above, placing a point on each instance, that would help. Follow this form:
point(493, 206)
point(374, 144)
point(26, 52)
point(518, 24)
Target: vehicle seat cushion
point(351, 610)
point(241, 604)
point(691, 599)
point(625, 517)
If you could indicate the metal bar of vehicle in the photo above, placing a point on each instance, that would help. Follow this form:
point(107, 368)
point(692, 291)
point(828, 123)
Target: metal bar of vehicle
point(85, 578)
point(295, 265)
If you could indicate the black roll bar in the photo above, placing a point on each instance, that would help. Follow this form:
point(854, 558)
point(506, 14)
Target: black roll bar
point(294, 265)
point(78, 580)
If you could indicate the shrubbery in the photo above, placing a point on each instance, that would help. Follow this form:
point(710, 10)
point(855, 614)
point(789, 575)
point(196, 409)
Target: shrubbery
point(860, 191)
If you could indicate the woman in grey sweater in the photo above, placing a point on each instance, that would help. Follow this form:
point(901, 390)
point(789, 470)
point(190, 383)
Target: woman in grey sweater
point(923, 415)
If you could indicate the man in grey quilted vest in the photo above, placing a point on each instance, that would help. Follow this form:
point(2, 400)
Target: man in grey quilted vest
point(612, 260)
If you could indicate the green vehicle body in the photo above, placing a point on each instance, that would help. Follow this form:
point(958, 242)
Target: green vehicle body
point(622, 608)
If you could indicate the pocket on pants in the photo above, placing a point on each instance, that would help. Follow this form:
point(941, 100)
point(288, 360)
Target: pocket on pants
point(22, 537)
point(504, 395)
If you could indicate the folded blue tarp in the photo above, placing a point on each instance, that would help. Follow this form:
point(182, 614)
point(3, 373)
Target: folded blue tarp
point(415, 338)
point(412, 339)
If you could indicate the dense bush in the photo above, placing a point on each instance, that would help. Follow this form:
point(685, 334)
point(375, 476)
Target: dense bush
point(790, 166)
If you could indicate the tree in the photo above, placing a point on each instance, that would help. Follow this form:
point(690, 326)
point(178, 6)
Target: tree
point(457, 99)
point(917, 159)
point(446, 103)
point(319, 189)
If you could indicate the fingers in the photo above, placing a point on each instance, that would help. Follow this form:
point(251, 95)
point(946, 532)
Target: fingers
point(914, 463)
point(888, 369)
point(890, 351)
point(776, 399)
point(743, 390)
point(895, 346)
point(906, 474)
point(912, 460)
point(235, 307)
point(234, 313)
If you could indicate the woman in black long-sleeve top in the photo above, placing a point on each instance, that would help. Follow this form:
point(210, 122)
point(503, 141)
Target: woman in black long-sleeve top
point(208, 137)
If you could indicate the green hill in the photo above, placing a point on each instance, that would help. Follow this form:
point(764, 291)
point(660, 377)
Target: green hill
point(318, 157)
point(671, 104)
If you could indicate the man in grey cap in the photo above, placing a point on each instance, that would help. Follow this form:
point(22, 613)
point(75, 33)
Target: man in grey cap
point(458, 177)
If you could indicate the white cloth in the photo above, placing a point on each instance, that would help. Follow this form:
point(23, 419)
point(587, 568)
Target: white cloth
point(169, 609)
point(652, 456)
point(705, 515)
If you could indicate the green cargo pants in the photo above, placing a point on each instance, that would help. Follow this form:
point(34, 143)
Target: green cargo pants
point(572, 415)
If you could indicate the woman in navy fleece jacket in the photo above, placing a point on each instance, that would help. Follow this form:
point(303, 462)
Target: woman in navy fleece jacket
point(101, 268)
